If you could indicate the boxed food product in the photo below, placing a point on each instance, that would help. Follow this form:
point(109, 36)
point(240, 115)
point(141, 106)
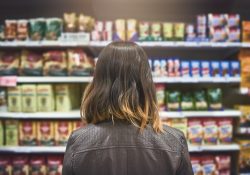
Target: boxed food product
point(233, 20)
point(205, 68)
point(63, 130)
point(177, 71)
point(246, 31)
point(195, 131)
point(215, 69)
point(108, 33)
point(10, 29)
point(69, 22)
point(164, 67)
point(31, 64)
point(195, 68)
point(37, 29)
point(196, 165)
point(217, 34)
point(225, 67)
point(55, 63)
point(157, 68)
point(209, 166)
point(29, 98)
point(200, 99)
point(3, 100)
point(27, 133)
point(63, 97)
point(235, 68)
point(9, 63)
point(185, 69)
point(20, 165)
point(54, 165)
point(201, 19)
point(53, 28)
point(96, 34)
point(120, 30)
point(179, 31)
point(215, 99)
point(173, 100)
point(216, 20)
point(1, 133)
point(168, 31)
point(2, 37)
point(5, 165)
point(180, 124)
point(144, 31)
point(190, 32)
point(85, 23)
point(244, 123)
point(171, 68)
point(187, 101)
point(22, 29)
point(14, 99)
point(210, 131)
point(223, 162)
point(46, 133)
point(160, 94)
point(79, 64)
point(202, 33)
point(45, 98)
point(233, 34)
point(156, 31)
point(132, 34)
point(37, 165)
point(11, 132)
point(225, 127)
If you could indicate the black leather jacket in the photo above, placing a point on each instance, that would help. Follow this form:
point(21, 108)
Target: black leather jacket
point(120, 149)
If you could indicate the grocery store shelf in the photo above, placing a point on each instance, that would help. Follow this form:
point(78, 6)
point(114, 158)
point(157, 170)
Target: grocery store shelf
point(156, 79)
point(104, 43)
point(61, 149)
point(226, 113)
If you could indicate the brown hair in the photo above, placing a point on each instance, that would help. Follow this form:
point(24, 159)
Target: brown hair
point(122, 88)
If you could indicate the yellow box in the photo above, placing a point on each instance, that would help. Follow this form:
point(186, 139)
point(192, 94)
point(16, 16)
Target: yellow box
point(14, 99)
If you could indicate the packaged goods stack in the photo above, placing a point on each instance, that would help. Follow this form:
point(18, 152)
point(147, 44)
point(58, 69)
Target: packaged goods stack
point(200, 62)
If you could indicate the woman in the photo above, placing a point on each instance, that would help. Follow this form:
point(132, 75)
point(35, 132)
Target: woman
point(124, 135)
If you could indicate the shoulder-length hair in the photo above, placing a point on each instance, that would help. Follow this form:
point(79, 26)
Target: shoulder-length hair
point(122, 88)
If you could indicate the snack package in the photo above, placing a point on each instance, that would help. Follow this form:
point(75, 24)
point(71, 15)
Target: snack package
point(185, 69)
point(233, 20)
point(215, 70)
point(164, 68)
point(245, 31)
point(225, 127)
point(210, 131)
point(120, 30)
point(225, 67)
point(171, 68)
point(187, 101)
point(195, 68)
point(144, 31)
point(46, 133)
point(216, 20)
point(157, 68)
point(1, 133)
point(160, 95)
point(217, 34)
point(180, 124)
point(2, 37)
point(195, 131)
point(244, 160)
point(85, 23)
point(244, 57)
point(201, 32)
point(235, 68)
point(54, 28)
point(201, 19)
point(196, 165)
point(63, 97)
point(63, 130)
point(156, 31)
point(22, 30)
point(244, 124)
point(205, 68)
point(173, 100)
point(15, 99)
point(177, 71)
point(10, 29)
point(37, 165)
point(223, 162)
point(108, 32)
point(3, 100)
point(215, 99)
point(179, 31)
point(31, 64)
point(9, 63)
point(5, 165)
point(45, 98)
point(69, 22)
point(209, 166)
point(190, 34)
point(200, 99)
point(20, 165)
point(27, 133)
point(55, 63)
point(132, 34)
point(11, 132)
point(29, 98)
point(54, 165)
point(233, 34)
point(79, 64)
point(37, 29)
point(96, 34)
point(168, 31)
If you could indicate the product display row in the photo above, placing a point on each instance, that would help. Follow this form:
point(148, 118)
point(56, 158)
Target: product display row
point(37, 132)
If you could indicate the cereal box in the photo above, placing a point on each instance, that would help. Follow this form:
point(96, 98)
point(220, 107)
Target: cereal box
point(63, 97)
point(185, 69)
point(195, 131)
point(225, 69)
point(45, 98)
point(62, 132)
point(215, 69)
point(195, 68)
point(37, 165)
point(5, 165)
point(29, 103)
point(205, 69)
point(20, 164)
point(45, 133)
point(235, 68)
point(225, 130)
point(11, 132)
point(54, 165)
point(27, 133)
point(14, 99)
point(164, 68)
point(1, 133)
point(210, 131)
point(180, 124)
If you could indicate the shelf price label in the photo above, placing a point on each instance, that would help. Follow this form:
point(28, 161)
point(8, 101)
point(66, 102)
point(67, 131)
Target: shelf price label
point(8, 81)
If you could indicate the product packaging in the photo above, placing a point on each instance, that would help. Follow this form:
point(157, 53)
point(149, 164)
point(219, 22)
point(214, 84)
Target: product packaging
point(215, 99)
point(54, 28)
point(10, 30)
point(225, 130)
point(132, 34)
point(14, 99)
point(168, 31)
point(233, 34)
point(179, 31)
point(3, 100)
point(195, 68)
point(20, 165)
point(37, 29)
point(195, 131)
point(63, 130)
point(209, 165)
point(22, 30)
point(233, 20)
point(37, 165)
point(200, 99)
point(45, 98)
point(185, 69)
point(54, 165)
point(187, 101)
point(46, 133)
point(225, 67)
point(245, 31)
point(196, 165)
point(1, 133)
point(217, 34)
point(205, 68)
point(70, 21)
point(173, 100)
point(180, 124)
point(5, 165)
point(210, 131)
point(217, 20)
point(9, 63)
point(63, 97)
point(160, 94)
point(27, 133)
point(29, 98)
point(215, 69)
point(120, 30)
point(235, 68)
point(190, 34)
point(144, 31)
point(11, 132)
point(156, 30)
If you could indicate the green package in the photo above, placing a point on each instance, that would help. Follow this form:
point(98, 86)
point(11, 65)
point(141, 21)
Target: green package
point(215, 99)
point(54, 28)
point(187, 101)
point(11, 132)
point(29, 98)
point(200, 100)
point(179, 31)
point(37, 29)
point(173, 100)
point(168, 32)
point(1, 133)
point(14, 99)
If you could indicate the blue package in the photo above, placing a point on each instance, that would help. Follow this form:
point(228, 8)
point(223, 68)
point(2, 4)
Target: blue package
point(195, 68)
point(185, 69)
point(235, 69)
point(225, 66)
point(205, 69)
point(215, 69)
point(157, 68)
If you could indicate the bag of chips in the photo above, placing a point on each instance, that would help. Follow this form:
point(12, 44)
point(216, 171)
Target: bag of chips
point(37, 29)
point(9, 63)
point(215, 99)
point(200, 100)
point(173, 100)
point(53, 28)
point(69, 22)
point(187, 101)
